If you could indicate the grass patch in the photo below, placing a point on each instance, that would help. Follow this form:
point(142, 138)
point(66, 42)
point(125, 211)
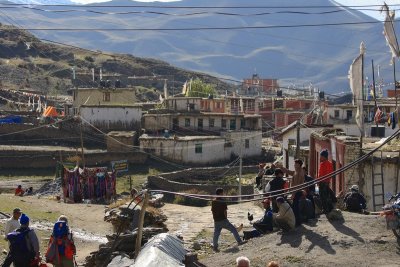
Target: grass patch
point(294, 259)
point(9, 202)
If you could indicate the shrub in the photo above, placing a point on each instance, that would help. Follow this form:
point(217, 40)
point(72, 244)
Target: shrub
point(188, 201)
point(89, 58)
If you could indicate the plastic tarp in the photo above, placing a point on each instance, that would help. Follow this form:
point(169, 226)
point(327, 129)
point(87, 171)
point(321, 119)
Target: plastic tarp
point(162, 250)
point(11, 119)
point(50, 112)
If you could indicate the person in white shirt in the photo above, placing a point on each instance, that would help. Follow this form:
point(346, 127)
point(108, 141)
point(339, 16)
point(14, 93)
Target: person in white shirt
point(13, 222)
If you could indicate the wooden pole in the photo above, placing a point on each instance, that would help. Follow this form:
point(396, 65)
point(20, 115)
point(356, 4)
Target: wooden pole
point(138, 245)
point(83, 154)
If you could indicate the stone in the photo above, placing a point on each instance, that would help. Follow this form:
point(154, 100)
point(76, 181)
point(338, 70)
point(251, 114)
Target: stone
point(121, 261)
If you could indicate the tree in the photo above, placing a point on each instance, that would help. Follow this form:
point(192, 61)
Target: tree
point(200, 89)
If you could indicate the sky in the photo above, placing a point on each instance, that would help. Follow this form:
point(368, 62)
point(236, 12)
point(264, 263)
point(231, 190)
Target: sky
point(374, 14)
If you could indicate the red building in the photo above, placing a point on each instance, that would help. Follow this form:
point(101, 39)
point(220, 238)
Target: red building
point(256, 85)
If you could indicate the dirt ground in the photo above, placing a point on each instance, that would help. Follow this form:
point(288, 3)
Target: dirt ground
point(361, 240)
point(85, 220)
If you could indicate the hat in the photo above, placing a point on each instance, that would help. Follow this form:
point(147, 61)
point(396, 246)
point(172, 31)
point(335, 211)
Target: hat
point(354, 187)
point(266, 201)
point(23, 219)
point(16, 210)
point(324, 153)
point(280, 199)
point(278, 171)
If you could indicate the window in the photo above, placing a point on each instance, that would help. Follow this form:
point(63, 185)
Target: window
point(242, 124)
point(223, 123)
point(218, 105)
point(349, 114)
point(187, 122)
point(198, 149)
point(246, 143)
point(200, 123)
point(307, 106)
point(211, 123)
point(336, 113)
point(106, 97)
point(232, 125)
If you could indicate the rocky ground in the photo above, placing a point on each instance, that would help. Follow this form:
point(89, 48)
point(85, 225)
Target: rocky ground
point(361, 240)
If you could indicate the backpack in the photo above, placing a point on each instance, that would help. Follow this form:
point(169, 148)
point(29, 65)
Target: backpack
point(353, 202)
point(61, 243)
point(19, 245)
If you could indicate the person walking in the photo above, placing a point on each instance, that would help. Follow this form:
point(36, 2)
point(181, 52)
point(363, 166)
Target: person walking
point(24, 246)
point(220, 215)
point(325, 168)
point(61, 249)
point(13, 222)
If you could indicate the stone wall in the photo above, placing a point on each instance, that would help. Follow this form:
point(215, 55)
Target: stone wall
point(180, 181)
point(15, 159)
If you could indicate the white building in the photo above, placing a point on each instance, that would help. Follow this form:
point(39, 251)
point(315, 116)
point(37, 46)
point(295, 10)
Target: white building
point(203, 150)
point(113, 117)
point(289, 141)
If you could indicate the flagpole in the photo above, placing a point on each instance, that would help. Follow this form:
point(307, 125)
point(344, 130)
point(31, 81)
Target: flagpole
point(373, 87)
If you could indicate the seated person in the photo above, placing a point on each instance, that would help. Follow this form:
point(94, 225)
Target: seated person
point(354, 201)
point(263, 225)
point(29, 191)
point(285, 218)
point(276, 185)
point(19, 191)
point(306, 208)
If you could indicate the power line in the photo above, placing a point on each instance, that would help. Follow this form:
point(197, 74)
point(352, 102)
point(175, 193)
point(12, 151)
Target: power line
point(206, 28)
point(193, 7)
point(184, 14)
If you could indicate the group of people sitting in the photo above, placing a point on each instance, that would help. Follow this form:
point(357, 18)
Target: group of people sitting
point(24, 241)
point(285, 211)
point(21, 192)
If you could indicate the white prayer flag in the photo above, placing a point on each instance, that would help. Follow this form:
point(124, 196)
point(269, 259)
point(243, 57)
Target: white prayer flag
point(356, 85)
point(389, 32)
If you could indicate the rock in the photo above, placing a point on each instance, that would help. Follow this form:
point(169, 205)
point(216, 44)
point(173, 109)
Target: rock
point(196, 245)
point(121, 261)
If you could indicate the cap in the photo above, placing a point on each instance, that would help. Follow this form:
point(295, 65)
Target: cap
point(16, 210)
point(324, 153)
point(354, 187)
point(280, 199)
point(266, 201)
point(278, 171)
point(23, 219)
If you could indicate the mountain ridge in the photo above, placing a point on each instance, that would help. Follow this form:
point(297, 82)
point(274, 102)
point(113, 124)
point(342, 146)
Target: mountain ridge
point(320, 56)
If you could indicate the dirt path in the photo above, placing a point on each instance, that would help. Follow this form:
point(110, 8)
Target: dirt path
point(85, 220)
point(190, 221)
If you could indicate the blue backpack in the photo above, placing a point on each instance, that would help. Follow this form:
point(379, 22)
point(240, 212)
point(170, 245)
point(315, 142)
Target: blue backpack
point(19, 246)
point(60, 229)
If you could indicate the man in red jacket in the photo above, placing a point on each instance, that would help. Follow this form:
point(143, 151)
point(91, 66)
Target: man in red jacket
point(325, 168)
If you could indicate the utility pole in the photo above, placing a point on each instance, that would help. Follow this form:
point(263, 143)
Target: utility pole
point(297, 139)
point(138, 245)
point(83, 154)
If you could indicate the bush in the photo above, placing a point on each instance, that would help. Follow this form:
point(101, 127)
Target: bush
point(189, 201)
point(89, 58)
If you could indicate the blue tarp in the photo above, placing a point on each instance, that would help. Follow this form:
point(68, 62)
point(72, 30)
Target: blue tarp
point(11, 119)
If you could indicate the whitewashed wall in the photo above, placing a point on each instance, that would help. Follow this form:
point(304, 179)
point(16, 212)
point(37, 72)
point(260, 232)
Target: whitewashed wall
point(111, 117)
